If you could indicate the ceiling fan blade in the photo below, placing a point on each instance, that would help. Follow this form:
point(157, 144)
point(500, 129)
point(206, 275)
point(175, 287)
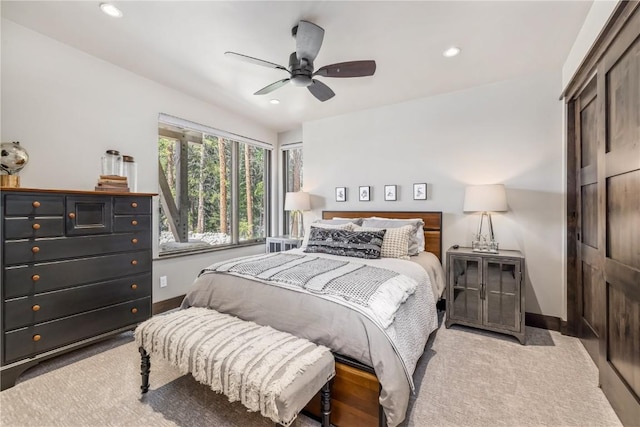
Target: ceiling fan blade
point(348, 69)
point(255, 61)
point(320, 90)
point(273, 86)
point(308, 40)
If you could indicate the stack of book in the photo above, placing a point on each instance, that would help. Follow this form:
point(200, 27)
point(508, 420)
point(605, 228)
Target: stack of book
point(112, 183)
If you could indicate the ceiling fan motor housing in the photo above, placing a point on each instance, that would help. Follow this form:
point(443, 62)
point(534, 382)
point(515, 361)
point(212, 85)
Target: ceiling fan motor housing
point(301, 70)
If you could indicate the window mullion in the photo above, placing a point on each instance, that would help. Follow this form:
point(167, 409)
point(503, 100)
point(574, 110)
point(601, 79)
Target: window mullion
point(235, 193)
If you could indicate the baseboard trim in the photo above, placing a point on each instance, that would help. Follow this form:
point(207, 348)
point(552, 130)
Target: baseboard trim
point(543, 321)
point(166, 305)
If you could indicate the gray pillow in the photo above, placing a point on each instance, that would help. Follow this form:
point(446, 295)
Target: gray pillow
point(416, 242)
point(339, 221)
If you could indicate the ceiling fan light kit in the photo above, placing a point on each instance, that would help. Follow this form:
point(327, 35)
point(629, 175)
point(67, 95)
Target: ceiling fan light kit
point(309, 37)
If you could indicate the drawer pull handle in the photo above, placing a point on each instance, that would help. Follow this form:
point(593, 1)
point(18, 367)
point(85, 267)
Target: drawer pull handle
point(134, 205)
point(36, 204)
point(134, 310)
point(134, 262)
point(36, 338)
point(72, 215)
point(134, 286)
point(35, 249)
point(35, 277)
point(134, 241)
point(36, 226)
point(134, 222)
point(36, 307)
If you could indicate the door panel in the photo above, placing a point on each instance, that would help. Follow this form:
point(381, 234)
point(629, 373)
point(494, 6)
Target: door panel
point(590, 283)
point(619, 221)
point(465, 292)
point(502, 294)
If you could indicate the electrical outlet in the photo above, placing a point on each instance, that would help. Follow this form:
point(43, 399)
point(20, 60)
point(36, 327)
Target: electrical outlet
point(163, 281)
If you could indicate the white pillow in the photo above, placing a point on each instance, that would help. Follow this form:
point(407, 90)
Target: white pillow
point(307, 230)
point(396, 241)
point(416, 242)
point(356, 221)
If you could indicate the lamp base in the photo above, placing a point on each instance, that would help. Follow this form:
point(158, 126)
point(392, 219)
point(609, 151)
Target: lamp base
point(490, 247)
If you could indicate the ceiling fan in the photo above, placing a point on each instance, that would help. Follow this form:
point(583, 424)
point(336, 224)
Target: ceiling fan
point(309, 38)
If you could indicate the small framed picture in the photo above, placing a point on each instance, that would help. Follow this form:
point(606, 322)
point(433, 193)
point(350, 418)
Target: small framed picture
point(390, 192)
point(364, 193)
point(419, 191)
point(341, 194)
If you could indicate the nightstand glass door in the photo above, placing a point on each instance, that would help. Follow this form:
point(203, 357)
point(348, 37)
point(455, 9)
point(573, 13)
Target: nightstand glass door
point(465, 292)
point(502, 294)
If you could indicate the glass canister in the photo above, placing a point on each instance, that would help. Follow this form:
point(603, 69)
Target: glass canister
point(112, 163)
point(130, 170)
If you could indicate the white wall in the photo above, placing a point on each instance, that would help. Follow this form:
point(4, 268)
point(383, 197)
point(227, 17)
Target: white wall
point(66, 108)
point(508, 132)
point(593, 24)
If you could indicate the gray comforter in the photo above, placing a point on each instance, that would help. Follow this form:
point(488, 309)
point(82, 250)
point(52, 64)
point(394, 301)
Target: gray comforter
point(335, 325)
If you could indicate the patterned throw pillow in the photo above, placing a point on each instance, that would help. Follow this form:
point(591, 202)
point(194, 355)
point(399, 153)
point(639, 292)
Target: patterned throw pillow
point(416, 241)
point(348, 226)
point(358, 244)
point(396, 241)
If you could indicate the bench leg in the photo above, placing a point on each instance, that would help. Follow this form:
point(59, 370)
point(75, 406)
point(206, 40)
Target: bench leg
point(145, 368)
point(325, 404)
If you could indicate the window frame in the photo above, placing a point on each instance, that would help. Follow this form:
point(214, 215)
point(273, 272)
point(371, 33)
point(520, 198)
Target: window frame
point(235, 141)
point(284, 149)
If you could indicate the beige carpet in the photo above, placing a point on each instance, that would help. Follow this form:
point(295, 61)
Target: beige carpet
point(465, 378)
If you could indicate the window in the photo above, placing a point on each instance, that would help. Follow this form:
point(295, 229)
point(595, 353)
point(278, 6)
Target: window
point(213, 187)
point(292, 172)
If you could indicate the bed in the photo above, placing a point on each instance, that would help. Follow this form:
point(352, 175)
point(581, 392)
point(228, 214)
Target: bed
point(374, 363)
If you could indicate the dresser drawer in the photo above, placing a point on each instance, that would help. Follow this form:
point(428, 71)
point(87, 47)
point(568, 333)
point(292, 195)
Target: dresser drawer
point(89, 215)
point(39, 250)
point(29, 310)
point(33, 205)
point(132, 205)
point(42, 337)
point(24, 228)
point(125, 223)
point(32, 279)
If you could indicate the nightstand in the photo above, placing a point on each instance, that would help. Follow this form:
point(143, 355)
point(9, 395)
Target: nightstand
point(486, 291)
point(282, 243)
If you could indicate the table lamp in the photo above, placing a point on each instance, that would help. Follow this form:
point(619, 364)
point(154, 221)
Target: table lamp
point(485, 199)
point(296, 202)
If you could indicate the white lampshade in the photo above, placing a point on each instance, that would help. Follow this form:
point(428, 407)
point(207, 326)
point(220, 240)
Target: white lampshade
point(297, 201)
point(485, 198)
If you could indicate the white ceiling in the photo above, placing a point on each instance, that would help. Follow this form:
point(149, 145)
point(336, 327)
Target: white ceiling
point(182, 44)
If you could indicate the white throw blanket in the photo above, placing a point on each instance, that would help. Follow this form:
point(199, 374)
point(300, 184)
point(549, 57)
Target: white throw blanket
point(379, 292)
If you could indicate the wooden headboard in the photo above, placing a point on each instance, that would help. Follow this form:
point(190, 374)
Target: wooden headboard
point(432, 224)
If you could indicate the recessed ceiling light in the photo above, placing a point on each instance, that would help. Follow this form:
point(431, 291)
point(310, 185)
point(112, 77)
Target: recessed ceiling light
point(275, 101)
point(451, 52)
point(111, 10)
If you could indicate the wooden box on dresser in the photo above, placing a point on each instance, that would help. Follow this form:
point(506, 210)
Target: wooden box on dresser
point(486, 290)
point(76, 268)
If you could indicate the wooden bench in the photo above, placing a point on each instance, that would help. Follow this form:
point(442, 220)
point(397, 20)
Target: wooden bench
point(267, 370)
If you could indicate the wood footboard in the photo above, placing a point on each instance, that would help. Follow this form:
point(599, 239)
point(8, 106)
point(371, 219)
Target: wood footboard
point(354, 396)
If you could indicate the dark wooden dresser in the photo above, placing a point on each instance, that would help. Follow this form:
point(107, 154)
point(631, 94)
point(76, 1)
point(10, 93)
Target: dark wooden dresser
point(76, 268)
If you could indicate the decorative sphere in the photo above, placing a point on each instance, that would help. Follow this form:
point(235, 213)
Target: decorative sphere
point(12, 157)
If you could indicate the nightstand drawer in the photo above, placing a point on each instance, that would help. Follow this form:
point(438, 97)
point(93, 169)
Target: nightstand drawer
point(42, 337)
point(30, 310)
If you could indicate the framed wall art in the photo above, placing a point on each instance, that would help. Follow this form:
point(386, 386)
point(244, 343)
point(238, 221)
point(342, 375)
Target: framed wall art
point(341, 194)
point(364, 193)
point(420, 191)
point(390, 192)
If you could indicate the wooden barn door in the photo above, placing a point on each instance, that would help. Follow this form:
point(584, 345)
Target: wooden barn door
point(590, 274)
point(603, 209)
point(618, 185)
